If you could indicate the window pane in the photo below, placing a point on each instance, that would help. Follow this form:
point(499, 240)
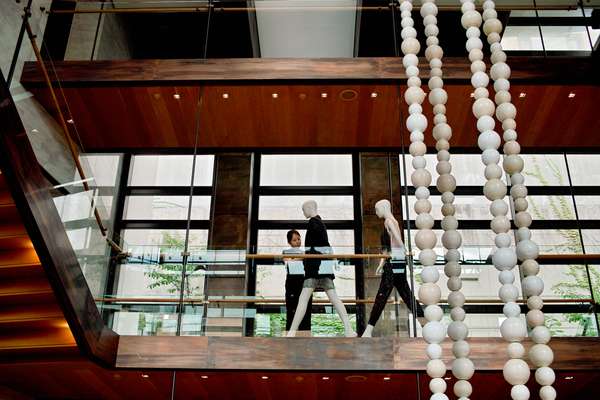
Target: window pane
point(557, 241)
point(468, 169)
point(170, 170)
point(171, 238)
point(584, 169)
point(166, 207)
point(571, 324)
point(290, 207)
point(306, 170)
point(517, 38)
point(588, 207)
point(545, 170)
point(103, 168)
point(551, 207)
point(566, 38)
point(591, 240)
point(564, 281)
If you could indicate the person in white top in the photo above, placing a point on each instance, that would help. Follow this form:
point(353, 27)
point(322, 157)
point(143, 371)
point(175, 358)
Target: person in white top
point(293, 282)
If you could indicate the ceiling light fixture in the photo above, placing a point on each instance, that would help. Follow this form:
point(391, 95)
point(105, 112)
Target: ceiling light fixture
point(571, 95)
point(34, 130)
point(225, 95)
point(374, 94)
point(275, 95)
point(204, 377)
point(325, 378)
point(386, 378)
point(70, 121)
point(447, 378)
point(324, 95)
point(569, 378)
point(521, 95)
point(472, 94)
point(176, 96)
point(264, 378)
point(145, 376)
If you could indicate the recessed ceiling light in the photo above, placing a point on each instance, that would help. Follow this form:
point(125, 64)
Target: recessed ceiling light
point(571, 95)
point(176, 96)
point(225, 95)
point(324, 95)
point(145, 376)
point(70, 121)
point(34, 130)
point(302, 96)
point(447, 378)
point(275, 95)
point(568, 378)
point(374, 94)
point(386, 378)
point(521, 95)
point(472, 94)
point(264, 377)
point(325, 378)
point(204, 377)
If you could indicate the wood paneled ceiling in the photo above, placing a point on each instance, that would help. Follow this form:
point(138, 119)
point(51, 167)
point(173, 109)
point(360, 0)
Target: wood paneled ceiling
point(320, 110)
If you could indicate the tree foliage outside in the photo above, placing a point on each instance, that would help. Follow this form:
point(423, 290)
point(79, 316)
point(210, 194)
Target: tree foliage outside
point(576, 285)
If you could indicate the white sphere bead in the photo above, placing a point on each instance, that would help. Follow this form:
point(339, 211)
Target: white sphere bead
point(501, 85)
point(457, 313)
point(443, 167)
point(474, 43)
point(541, 335)
point(419, 162)
point(438, 396)
point(428, 9)
point(416, 122)
point(414, 95)
point(545, 376)
point(532, 285)
point(413, 81)
point(447, 197)
point(479, 79)
point(535, 318)
point(478, 66)
point(463, 388)
point(405, 6)
point(518, 190)
point(523, 234)
point(436, 368)
point(463, 368)
point(488, 13)
point(417, 136)
point(457, 330)
point(437, 385)
point(541, 355)
point(475, 55)
point(422, 206)
point(467, 5)
point(449, 223)
point(504, 259)
point(471, 18)
point(452, 268)
point(509, 124)
point(451, 239)
point(433, 51)
point(442, 144)
point(492, 25)
point(430, 274)
point(410, 45)
point(446, 183)
point(408, 32)
point(412, 72)
point(535, 302)
point(438, 96)
point(485, 123)
point(500, 224)
point(494, 37)
point(407, 22)
point(488, 140)
point(502, 97)
point(494, 189)
point(522, 219)
point(433, 313)
point(436, 72)
point(425, 239)
point(431, 30)
point(435, 82)
point(415, 108)
point(439, 119)
point(481, 93)
point(417, 149)
point(434, 332)
point(473, 32)
point(483, 106)
point(508, 293)
point(456, 299)
point(519, 392)
point(516, 350)
point(527, 250)
point(513, 329)
point(502, 239)
point(424, 221)
point(511, 309)
point(492, 171)
point(420, 177)
point(429, 293)
point(443, 155)
point(434, 351)
point(461, 349)
point(511, 147)
point(500, 71)
point(530, 267)
point(428, 256)
point(429, 20)
point(490, 156)
point(432, 40)
point(410, 60)
point(520, 204)
point(439, 109)
point(547, 393)
point(452, 255)
point(506, 277)
point(516, 371)
point(506, 111)
point(454, 283)
point(517, 179)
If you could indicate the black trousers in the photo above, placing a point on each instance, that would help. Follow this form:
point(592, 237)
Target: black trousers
point(389, 280)
point(293, 287)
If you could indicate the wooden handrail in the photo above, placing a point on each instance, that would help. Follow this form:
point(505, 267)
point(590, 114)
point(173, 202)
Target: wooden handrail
point(315, 256)
point(568, 257)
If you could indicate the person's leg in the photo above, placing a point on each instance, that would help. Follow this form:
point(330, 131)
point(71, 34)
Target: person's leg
point(408, 297)
point(385, 288)
point(305, 325)
point(341, 310)
point(305, 296)
point(293, 287)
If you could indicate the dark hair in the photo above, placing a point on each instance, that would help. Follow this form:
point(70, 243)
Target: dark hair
point(290, 235)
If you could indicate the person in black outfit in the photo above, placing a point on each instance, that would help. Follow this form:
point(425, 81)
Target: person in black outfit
point(394, 271)
point(293, 283)
point(317, 242)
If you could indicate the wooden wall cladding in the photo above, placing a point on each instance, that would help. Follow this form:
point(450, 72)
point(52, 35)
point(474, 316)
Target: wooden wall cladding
point(324, 354)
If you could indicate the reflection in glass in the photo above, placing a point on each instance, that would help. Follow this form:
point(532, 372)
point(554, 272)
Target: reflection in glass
point(545, 170)
point(306, 170)
point(557, 241)
point(584, 169)
point(170, 170)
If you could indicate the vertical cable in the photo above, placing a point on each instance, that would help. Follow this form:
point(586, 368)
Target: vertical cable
point(15, 57)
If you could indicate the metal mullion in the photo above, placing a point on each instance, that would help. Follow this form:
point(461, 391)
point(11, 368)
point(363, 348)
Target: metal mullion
point(359, 273)
point(305, 190)
point(168, 191)
point(302, 224)
point(252, 234)
point(165, 224)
